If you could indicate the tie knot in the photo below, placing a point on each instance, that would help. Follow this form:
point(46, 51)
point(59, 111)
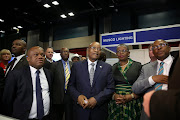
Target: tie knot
point(162, 63)
point(92, 64)
point(37, 71)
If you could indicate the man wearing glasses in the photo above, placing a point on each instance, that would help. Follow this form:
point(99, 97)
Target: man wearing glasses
point(91, 86)
point(154, 76)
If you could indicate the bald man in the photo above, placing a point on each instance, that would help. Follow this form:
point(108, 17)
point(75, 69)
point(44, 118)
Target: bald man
point(62, 102)
point(91, 86)
point(27, 90)
point(154, 75)
point(18, 49)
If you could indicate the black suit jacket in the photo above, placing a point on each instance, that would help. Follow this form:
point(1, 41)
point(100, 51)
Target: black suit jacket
point(22, 62)
point(165, 105)
point(58, 82)
point(18, 92)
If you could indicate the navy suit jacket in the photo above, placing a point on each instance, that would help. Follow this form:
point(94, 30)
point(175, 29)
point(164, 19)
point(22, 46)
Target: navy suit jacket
point(18, 92)
point(102, 89)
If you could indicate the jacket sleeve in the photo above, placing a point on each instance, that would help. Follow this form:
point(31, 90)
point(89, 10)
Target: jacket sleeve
point(141, 85)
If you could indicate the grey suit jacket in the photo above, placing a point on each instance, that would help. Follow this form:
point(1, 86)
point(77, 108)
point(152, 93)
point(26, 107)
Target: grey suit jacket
point(58, 82)
point(142, 85)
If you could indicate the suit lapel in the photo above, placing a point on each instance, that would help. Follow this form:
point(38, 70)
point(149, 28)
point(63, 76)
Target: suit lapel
point(154, 67)
point(29, 79)
point(86, 71)
point(48, 77)
point(98, 70)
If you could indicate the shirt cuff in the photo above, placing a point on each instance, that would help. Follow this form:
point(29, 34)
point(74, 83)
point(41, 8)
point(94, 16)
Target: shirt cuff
point(151, 81)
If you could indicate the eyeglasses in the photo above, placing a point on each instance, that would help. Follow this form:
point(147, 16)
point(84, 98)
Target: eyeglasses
point(95, 48)
point(159, 46)
point(123, 51)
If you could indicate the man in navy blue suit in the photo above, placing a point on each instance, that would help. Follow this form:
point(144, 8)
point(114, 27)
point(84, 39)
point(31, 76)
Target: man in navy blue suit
point(91, 86)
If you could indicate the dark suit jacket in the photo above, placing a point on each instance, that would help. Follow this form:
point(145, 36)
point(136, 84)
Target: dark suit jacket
point(102, 89)
point(47, 64)
point(18, 92)
point(22, 62)
point(58, 82)
point(165, 105)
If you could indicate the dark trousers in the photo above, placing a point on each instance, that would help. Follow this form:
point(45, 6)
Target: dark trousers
point(66, 108)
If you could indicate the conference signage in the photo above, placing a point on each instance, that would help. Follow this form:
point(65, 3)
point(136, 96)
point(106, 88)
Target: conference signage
point(142, 36)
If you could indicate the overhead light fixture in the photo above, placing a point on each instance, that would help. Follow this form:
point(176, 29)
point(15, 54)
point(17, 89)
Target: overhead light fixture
point(1, 20)
point(55, 3)
point(15, 28)
point(2, 31)
point(71, 14)
point(63, 16)
point(46, 6)
point(19, 27)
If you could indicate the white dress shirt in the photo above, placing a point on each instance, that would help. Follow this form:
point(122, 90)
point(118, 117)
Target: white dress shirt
point(167, 65)
point(89, 65)
point(45, 92)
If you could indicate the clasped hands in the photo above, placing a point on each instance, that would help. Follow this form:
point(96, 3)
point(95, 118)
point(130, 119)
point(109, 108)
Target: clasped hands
point(122, 99)
point(87, 103)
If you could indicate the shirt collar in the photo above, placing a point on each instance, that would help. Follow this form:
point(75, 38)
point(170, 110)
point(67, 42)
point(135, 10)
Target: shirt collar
point(49, 60)
point(19, 57)
point(89, 62)
point(168, 60)
point(65, 61)
point(33, 70)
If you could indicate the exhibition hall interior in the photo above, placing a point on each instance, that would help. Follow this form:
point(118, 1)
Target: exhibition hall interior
point(75, 24)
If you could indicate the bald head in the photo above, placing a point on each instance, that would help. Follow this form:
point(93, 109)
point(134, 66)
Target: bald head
point(64, 53)
point(18, 47)
point(161, 49)
point(36, 57)
point(94, 51)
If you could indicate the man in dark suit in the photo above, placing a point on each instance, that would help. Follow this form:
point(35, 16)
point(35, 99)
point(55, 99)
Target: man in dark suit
point(150, 78)
point(18, 49)
point(27, 90)
point(91, 86)
point(1, 86)
point(165, 105)
point(62, 102)
point(48, 60)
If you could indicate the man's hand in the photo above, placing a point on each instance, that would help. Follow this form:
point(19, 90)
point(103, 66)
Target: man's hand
point(92, 102)
point(146, 102)
point(83, 101)
point(160, 79)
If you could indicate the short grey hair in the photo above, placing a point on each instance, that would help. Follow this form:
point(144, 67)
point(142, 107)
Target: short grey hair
point(122, 45)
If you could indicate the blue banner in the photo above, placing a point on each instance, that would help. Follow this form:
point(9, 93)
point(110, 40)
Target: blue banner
point(118, 38)
point(152, 35)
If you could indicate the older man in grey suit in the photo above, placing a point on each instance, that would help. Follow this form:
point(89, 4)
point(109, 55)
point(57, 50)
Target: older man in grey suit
point(150, 77)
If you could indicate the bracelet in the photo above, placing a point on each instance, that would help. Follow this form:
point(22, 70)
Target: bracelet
point(132, 95)
point(113, 96)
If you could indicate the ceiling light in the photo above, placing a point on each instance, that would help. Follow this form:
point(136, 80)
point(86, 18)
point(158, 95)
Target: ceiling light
point(1, 20)
point(71, 14)
point(2, 31)
point(19, 27)
point(15, 28)
point(63, 16)
point(46, 6)
point(55, 3)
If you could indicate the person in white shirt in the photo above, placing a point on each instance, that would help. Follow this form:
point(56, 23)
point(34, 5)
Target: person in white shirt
point(27, 90)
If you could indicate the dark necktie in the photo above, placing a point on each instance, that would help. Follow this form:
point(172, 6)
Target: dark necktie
point(40, 108)
point(12, 63)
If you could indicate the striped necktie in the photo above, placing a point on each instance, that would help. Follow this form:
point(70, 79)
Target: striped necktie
point(91, 73)
point(158, 86)
point(67, 75)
